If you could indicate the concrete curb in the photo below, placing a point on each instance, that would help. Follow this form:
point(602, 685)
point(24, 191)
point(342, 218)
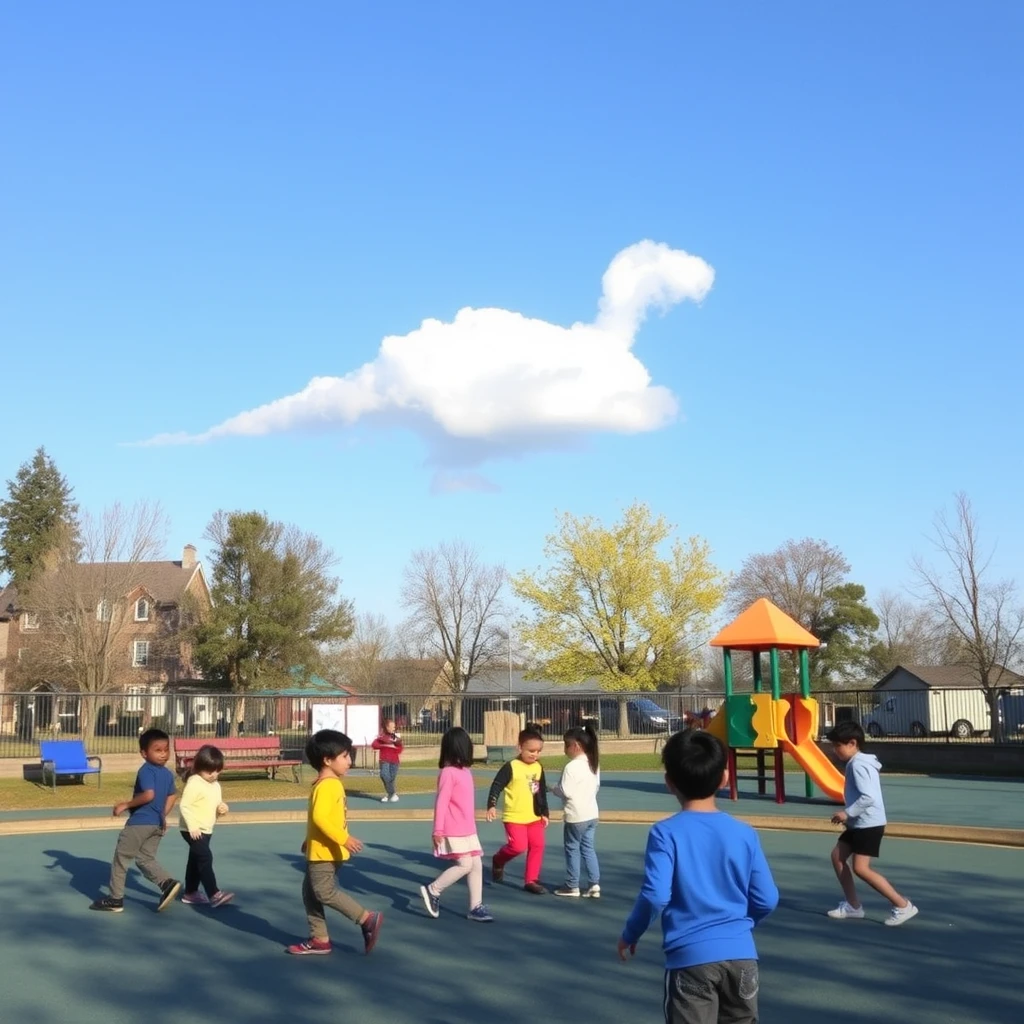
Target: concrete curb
point(1008, 837)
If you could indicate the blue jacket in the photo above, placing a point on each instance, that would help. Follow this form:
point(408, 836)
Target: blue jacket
point(706, 874)
point(862, 792)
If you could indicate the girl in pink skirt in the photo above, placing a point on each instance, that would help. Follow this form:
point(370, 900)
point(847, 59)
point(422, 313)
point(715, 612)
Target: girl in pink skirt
point(454, 833)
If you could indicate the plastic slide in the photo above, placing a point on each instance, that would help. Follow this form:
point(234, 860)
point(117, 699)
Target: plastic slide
point(821, 771)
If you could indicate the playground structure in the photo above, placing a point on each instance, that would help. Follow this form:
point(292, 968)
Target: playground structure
point(770, 722)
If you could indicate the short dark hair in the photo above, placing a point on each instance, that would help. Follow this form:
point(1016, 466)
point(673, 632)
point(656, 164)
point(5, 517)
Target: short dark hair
point(456, 749)
point(531, 732)
point(846, 732)
point(695, 762)
point(151, 736)
point(208, 759)
point(326, 745)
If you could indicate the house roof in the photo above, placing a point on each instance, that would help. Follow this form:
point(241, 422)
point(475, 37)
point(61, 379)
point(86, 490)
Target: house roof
point(952, 676)
point(166, 582)
point(764, 625)
point(496, 682)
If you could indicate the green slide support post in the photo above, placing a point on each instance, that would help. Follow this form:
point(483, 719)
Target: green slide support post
point(773, 661)
point(805, 691)
point(758, 675)
point(727, 668)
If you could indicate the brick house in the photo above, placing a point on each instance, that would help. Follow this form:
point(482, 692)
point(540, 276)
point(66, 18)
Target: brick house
point(140, 610)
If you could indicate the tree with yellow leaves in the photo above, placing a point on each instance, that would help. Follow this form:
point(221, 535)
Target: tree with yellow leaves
point(615, 606)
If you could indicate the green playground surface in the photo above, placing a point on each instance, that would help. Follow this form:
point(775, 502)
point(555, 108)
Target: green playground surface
point(987, 803)
point(543, 959)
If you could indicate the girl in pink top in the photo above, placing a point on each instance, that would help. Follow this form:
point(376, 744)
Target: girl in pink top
point(454, 833)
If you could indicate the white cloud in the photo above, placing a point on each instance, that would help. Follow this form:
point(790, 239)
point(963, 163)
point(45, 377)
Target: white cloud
point(493, 383)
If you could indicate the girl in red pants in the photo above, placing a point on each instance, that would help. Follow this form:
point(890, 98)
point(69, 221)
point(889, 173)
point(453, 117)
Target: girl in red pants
point(525, 812)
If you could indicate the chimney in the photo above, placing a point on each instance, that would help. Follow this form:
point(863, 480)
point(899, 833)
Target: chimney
point(188, 557)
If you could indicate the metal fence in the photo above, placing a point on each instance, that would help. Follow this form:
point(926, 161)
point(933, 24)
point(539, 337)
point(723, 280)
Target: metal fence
point(111, 723)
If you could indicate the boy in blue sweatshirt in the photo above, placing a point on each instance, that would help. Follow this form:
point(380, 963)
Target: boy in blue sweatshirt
point(864, 818)
point(705, 873)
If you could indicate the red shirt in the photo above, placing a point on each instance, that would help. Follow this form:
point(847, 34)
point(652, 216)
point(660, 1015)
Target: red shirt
point(389, 745)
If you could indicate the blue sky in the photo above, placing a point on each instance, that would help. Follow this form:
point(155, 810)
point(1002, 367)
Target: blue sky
point(207, 206)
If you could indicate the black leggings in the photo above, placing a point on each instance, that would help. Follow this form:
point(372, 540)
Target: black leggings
point(199, 869)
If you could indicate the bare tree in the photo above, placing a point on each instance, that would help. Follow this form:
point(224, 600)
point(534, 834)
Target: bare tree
point(455, 610)
point(981, 614)
point(908, 634)
point(360, 661)
point(82, 600)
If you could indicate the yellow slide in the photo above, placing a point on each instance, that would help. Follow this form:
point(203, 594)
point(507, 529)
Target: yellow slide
point(821, 771)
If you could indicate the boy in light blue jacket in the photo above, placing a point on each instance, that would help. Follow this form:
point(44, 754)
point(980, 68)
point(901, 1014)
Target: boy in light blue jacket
point(864, 818)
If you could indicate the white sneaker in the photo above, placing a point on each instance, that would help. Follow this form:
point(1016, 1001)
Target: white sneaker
point(394, 798)
point(593, 893)
point(901, 915)
point(384, 799)
point(845, 910)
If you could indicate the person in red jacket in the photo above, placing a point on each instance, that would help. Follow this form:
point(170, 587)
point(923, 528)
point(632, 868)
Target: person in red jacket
point(389, 747)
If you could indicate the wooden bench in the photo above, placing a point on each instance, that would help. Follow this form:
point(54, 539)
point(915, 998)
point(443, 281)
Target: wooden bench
point(63, 758)
point(241, 753)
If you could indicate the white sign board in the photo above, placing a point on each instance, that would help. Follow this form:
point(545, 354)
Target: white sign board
point(363, 724)
point(328, 716)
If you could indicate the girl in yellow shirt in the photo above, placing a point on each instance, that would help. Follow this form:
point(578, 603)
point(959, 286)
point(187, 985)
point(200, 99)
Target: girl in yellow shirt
point(525, 814)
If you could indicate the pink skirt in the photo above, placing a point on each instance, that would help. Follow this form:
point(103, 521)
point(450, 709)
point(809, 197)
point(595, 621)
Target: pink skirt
point(454, 847)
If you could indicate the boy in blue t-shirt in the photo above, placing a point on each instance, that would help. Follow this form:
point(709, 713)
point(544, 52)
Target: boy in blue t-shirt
point(148, 808)
point(705, 873)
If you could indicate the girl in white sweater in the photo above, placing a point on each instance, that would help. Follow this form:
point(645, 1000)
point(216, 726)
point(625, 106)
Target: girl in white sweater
point(200, 807)
point(578, 788)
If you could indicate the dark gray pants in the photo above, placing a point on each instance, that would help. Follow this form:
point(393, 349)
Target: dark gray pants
point(136, 843)
point(319, 890)
point(712, 993)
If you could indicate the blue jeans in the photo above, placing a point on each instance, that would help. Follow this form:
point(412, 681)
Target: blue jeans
point(579, 840)
point(388, 774)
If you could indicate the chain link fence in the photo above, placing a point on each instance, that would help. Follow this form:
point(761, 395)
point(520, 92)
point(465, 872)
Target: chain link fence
point(111, 723)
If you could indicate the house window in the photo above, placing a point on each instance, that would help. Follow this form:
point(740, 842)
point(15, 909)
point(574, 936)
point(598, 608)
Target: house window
point(142, 610)
point(29, 621)
point(140, 653)
point(103, 611)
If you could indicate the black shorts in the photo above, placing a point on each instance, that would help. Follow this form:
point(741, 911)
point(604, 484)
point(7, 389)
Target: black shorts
point(865, 841)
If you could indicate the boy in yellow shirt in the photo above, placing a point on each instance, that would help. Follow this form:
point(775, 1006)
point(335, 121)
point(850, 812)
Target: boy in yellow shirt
point(328, 845)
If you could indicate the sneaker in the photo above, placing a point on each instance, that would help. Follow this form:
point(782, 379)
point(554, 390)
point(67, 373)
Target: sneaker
point(371, 929)
point(384, 799)
point(194, 898)
point(431, 901)
point(536, 888)
point(480, 913)
point(593, 893)
point(497, 870)
point(394, 798)
point(167, 893)
point(567, 890)
point(901, 915)
point(311, 947)
point(845, 910)
point(108, 904)
point(220, 897)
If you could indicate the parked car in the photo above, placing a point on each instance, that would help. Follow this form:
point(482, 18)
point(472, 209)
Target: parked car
point(644, 715)
point(960, 714)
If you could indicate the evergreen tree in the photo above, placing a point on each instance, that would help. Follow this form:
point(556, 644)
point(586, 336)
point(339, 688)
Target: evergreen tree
point(38, 508)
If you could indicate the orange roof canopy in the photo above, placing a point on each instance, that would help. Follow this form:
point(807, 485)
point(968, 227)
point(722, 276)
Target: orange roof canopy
point(762, 626)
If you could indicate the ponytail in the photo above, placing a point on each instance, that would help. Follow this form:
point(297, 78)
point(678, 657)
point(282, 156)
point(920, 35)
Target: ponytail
point(586, 737)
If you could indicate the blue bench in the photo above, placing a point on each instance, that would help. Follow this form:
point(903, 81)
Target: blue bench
point(67, 757)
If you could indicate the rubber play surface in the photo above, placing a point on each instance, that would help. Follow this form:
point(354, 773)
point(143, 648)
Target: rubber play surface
point(60, 962)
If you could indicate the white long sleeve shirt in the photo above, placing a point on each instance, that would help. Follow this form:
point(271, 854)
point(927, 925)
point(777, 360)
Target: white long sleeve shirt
point(578, 788)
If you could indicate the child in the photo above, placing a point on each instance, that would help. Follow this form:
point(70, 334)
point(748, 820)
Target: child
point(864, 818)
point(200, 807)
point(389, 746)
point(151, 802)
point(328, 845)
point(454, 835)
point(578, 787)
point(525, 813)
point(704, 872)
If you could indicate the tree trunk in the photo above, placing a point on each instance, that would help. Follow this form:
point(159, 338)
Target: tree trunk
point(996, 729)
point(457, 710)
point(87, 711)
point(624, 732)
